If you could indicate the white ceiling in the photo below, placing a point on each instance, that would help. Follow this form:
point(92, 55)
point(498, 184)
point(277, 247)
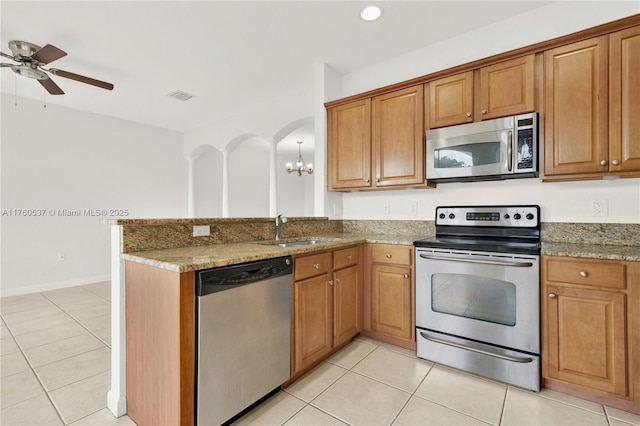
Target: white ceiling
point(229, 54)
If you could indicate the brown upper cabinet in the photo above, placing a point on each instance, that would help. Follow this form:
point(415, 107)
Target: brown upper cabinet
point(624, 100)
point(585, 86)
point(451, 100)
point(377, 142)
point(592, 101)
point(498, 90)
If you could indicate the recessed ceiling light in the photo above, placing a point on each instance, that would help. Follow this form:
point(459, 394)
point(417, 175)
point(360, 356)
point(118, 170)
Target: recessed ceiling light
point(371, 13)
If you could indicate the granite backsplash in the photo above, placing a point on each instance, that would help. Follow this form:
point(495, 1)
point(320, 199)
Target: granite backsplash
point(155, 234)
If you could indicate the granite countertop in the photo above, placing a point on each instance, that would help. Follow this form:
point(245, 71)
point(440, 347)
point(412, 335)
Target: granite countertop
point(187, 259)
point(592, 251)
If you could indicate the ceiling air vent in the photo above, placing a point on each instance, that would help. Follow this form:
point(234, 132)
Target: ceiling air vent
point(180, 95)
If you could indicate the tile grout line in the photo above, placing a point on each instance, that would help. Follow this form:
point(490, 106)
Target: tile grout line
point(33, 370)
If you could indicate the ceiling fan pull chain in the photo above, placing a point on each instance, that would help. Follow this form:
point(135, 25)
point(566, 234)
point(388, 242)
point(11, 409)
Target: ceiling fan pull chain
point(15, 90)
point(44, 98)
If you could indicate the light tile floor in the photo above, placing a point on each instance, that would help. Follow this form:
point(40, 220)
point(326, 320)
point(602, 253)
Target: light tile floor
point(373, 383)
point(56, 357)
point(56, 370)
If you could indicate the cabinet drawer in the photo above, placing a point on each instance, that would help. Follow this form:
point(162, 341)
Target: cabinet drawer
point(346, 257)
point(601, 273)
point(391, 254)
point(310, 266)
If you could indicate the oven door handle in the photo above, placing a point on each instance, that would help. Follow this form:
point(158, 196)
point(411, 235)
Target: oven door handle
point(480, 351)
point(487, 262)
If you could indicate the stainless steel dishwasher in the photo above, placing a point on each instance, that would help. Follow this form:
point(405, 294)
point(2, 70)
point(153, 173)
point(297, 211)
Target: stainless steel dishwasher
point(243, 334)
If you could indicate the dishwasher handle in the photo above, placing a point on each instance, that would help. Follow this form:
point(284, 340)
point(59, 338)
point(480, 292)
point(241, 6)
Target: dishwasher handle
point(229, 277)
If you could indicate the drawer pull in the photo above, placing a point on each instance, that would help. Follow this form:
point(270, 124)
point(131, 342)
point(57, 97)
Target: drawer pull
point(316, 265)
point(388, 255)
point(552, 296)
point(349, 257)
point(584, 274)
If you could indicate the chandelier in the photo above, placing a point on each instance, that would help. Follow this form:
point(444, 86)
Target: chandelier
point(300, 165)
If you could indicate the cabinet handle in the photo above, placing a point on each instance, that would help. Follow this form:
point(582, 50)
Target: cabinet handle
point(366, 180)
point(484, 111)
point(406, 275)
point(337, 280)
point(603, 162)
point(584, 274)
point(552, 296)
point(615, 162)
point(388, 255)
point(468, 114)
point(316, 265)
point(330, 282)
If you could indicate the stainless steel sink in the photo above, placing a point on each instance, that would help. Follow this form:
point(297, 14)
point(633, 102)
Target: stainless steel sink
point(297, 243)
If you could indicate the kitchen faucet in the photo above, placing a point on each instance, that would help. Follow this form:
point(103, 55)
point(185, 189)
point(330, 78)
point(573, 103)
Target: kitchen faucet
point(279, 222)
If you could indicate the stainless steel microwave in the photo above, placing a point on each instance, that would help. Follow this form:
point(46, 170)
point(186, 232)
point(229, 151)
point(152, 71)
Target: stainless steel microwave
point(502, 148)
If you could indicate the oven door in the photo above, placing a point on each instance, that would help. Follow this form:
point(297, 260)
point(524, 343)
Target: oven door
point(486, 297)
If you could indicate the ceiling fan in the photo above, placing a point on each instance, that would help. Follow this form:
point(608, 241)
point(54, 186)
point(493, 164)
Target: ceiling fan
point(31, 59)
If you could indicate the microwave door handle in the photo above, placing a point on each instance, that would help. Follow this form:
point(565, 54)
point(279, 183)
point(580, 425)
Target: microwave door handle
point(510, 150)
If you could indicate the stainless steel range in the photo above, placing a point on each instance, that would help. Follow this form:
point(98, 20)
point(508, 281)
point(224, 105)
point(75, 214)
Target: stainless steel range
point(477, 292)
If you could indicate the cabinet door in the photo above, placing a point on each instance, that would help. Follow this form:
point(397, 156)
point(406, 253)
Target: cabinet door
point(624, 98)
point(507, 88)
point(576, 123)
point(392, 301)
point(349, 145)
point(347, 308)
point(398, 137)
point(451, 100)
point(586, 338)
point(313, 307)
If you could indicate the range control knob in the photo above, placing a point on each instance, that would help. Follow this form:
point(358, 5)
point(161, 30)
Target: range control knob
point(442, 216)
point(507, 216)
point(529, 216)
point(517, 216)
point(452, 216)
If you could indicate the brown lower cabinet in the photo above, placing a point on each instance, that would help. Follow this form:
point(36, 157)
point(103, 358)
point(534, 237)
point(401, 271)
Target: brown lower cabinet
point(590, 329)
point(389, 294)
point(327, 304)
point(160, 345)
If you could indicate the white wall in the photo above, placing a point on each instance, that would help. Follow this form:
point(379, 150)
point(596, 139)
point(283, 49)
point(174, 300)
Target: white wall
point(208, 184)
point(59, 158)
point(561, 202)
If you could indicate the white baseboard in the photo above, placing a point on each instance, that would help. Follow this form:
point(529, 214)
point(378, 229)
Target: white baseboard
point(53, 286)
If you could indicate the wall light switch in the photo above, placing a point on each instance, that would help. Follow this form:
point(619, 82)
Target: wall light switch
point(201, 230)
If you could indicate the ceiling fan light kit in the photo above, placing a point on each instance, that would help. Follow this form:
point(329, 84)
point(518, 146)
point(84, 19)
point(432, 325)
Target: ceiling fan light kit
point(30, 59)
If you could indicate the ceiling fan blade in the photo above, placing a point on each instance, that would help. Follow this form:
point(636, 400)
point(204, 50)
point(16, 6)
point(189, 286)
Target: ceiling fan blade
point(51, 87)
point(48, 54)
point(82, 79)
point(6, 65)
point(6, 55)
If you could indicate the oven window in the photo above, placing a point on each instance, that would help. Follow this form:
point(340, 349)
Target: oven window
point(467, 155)
point(471, 296)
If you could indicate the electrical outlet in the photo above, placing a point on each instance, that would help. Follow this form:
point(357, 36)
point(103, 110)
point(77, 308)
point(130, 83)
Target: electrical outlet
point(62, 257)
point(600, 208)
point(201, 230)
point(387, 208)
point(413, 209)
